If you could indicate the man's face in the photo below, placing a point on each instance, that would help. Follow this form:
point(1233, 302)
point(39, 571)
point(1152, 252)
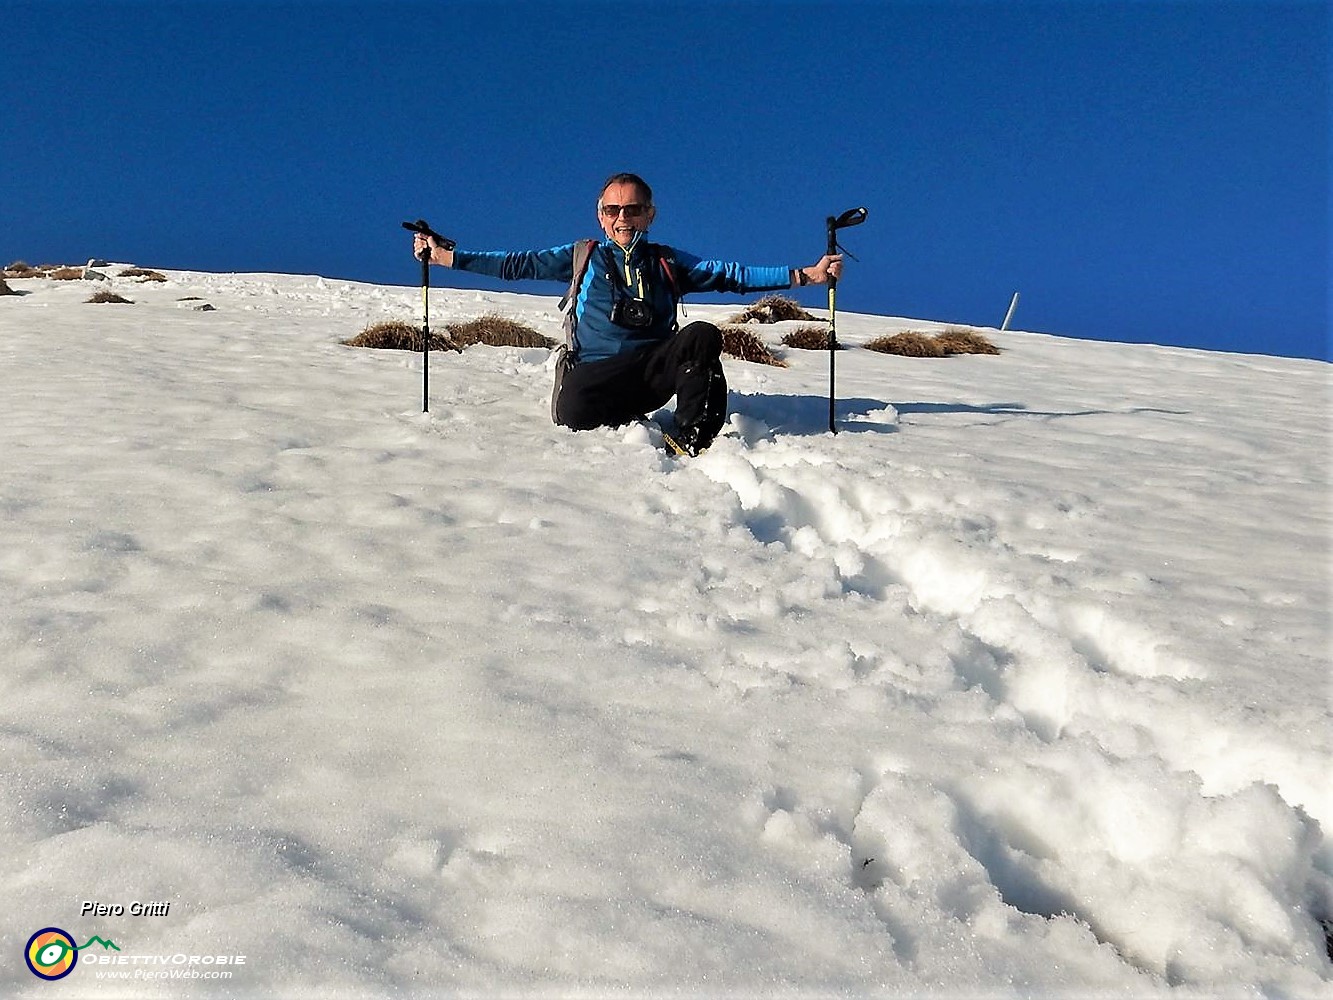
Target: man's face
point(635, 215)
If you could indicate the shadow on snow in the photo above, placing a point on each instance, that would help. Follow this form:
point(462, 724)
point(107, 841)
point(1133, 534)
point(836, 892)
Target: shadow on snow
point(802, 415)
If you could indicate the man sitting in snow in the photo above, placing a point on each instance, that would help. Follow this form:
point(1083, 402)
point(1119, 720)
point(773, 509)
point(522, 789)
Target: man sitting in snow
point(627, 356)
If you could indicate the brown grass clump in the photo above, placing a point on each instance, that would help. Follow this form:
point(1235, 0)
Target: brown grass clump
point(908, 344)
point(738, 342)
point(66, 274)
point(492, 329)
point(957, 340)
point(144, 273)
point(772, 309)
point(497, 331)
point(109, 296)
point(807, 338)
point(22, 269)
point(912, 344)
point(397, 335)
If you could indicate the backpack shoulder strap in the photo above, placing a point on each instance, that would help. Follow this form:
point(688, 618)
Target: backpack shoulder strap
point(668, 261)
point(582, 255)
point(565, 352)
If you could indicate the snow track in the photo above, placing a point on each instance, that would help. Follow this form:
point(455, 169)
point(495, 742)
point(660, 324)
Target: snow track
point(1127, 758)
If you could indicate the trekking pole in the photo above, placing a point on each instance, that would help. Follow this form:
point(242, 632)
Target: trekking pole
point(851, 217)
point(421, 226)
point(425, 330)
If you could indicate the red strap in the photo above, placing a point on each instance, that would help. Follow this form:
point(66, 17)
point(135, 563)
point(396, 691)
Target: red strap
point(671, 276)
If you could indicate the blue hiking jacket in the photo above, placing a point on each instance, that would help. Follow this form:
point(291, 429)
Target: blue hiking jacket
point(657, 274)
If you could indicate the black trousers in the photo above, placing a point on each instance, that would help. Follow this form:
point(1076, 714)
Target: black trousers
point(615, 390)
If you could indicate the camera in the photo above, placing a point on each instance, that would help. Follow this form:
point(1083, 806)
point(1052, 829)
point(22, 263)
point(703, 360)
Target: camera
point(633, 313)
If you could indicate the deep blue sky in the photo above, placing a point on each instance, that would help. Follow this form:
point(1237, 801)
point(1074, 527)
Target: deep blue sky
point(1139, 171)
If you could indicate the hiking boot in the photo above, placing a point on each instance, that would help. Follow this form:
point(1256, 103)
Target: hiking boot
point(690, 440)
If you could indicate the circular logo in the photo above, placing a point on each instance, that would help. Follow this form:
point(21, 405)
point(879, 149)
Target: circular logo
point(51, 954)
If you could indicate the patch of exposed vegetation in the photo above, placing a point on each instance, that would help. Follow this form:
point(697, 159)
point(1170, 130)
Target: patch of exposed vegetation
point(914, 344)
point(957, 340)
point(396, 335)
point(143, 273)
point(772, 309)
point(496, 331)
point(807, 338)
point(106, 295)
point(908, 344)
point(738, 342)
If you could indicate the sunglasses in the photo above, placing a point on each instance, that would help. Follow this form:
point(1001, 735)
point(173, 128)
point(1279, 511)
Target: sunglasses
point(632, 210)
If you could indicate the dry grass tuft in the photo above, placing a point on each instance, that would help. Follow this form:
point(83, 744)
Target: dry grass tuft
point(491, 329)
point(913, 344)
point(66, 274)
point(22, 269)
point(772, 309)
point(497, 331)
point(957, 340)
point(738, 342)
point(144, 273)
point(397, 335)
point(908, 344)
point(807, 338)
point(109, 296)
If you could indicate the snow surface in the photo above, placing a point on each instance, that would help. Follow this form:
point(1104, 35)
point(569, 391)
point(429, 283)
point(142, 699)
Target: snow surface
point(1017, 686)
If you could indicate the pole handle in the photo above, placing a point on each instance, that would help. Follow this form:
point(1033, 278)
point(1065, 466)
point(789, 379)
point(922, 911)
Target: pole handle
point(851, 217)
point(423, 227)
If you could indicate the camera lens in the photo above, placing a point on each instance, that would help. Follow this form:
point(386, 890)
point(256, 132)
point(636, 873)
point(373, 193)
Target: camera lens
point(633, 313)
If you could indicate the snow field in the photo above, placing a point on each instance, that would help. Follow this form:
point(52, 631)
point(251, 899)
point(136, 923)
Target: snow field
point(1018, 684)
